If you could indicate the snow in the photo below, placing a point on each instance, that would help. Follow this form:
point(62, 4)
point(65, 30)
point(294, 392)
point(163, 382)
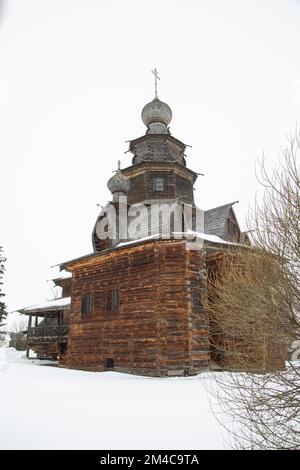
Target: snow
point(45, 407)
point(62, 275)
point(205, 236)
point(138, 240)
point(189, 235)
point(55, 303)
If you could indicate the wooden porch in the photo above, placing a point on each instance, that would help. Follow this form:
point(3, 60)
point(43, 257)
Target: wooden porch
point(47, 333)
point(44, 333)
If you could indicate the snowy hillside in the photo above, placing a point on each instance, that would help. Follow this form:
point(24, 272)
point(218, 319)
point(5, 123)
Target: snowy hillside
point(44, 407)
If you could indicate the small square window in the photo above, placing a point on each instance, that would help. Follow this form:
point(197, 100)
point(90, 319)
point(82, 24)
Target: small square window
point(158, 184)
point(63, 348)
point(87, 304)
point(109, 363)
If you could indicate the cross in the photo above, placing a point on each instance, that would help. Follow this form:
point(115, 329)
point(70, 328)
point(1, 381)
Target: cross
point(155, 73)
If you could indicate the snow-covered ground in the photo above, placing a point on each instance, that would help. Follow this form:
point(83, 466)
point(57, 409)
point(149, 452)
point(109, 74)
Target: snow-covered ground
point(44, 407)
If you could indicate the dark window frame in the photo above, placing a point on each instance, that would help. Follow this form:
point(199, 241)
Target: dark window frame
point(113, 300)
point(87, 302)
point(158, 184)
point(63, 348)
point(109, 363)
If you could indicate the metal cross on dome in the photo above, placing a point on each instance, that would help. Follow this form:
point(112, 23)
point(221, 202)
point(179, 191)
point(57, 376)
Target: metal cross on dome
point(155, 73)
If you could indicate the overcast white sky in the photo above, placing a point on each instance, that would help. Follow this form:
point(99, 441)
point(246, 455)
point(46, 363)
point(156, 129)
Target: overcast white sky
point(74, 76)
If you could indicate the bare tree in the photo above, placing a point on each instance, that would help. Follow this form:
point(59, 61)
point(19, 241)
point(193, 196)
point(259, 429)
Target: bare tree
point(19, 325)
point(254, 308)
point(276, 219)
point(250, 322)
point(17, 332)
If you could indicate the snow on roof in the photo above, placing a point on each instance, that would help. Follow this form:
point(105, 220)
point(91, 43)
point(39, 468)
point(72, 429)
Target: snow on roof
point(62, 275)
point(137, 240)
point(54, 304)
point(205, 236)
point(189, 234)
point(216, 219)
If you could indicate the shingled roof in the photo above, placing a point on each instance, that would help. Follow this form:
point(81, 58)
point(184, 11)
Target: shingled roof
point(216, 220)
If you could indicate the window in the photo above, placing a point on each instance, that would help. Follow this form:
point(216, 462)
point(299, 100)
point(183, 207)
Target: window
point(113, 300)
point(196, 299)
point(109, 363)
point(158, 184)
point(87, 304)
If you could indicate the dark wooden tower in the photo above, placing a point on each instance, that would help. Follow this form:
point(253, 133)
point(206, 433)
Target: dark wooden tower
point(158, 173)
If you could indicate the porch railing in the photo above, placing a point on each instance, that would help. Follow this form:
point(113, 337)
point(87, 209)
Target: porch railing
point(50, 333)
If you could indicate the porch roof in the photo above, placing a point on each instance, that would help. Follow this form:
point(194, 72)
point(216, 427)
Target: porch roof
point(51, 306)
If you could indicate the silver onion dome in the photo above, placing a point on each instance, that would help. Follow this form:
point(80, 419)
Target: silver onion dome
point(118, 183)
point(156, 112)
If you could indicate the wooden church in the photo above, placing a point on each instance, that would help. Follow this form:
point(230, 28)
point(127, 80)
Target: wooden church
point(135, 303)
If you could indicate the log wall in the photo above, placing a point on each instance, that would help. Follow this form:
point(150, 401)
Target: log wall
point(199, 348)
point(179, 181)
point(155, 331)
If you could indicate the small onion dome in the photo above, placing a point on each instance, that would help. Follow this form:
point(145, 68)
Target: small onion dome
point(156, 111)
point(118, 183)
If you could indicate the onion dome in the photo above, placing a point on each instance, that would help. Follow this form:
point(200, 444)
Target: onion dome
point(118, 183)
point(156, 116)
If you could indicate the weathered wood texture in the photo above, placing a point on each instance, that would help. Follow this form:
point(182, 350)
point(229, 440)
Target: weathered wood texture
point(49, 350)
point(43, 350)
point(50, 341)
point(157, 148)
point(156, 330)
point(179, 181)
point(199, 348)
